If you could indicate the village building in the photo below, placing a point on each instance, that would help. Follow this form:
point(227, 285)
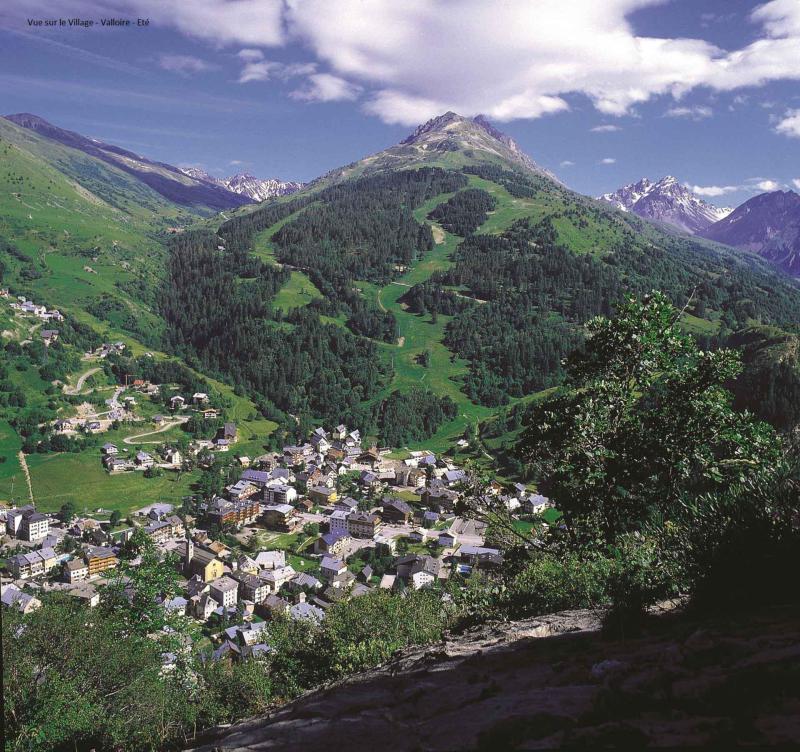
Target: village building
point(33, 563)
point(201, 563)
point(334, 544)
point(395, 511)
point(222, 512)
point(280, 517)
point(99, 559)
point(224, 590)
point(363, 524)
point(251, 587)
point(279, 494)
point(76, 570)
point(27, 524)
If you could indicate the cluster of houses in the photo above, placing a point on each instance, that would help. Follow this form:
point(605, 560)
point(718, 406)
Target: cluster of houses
point(397, 515)
point(29, 308)
point(26, 307)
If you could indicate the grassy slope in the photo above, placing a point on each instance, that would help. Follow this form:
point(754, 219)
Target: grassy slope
point(66, 211)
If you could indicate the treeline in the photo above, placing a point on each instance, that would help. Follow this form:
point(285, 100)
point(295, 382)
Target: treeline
point(517, 184)
point(769, 385)
point(465, 212)
point(431, 297)
point(405, 417)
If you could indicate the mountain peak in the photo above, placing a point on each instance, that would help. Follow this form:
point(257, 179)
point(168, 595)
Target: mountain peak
point(668, 202)
point(453, 132)
point(767, 224)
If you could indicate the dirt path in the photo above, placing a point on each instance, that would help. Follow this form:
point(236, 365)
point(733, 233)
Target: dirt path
point(24, 465)
point(165, 427)
point(80, 382)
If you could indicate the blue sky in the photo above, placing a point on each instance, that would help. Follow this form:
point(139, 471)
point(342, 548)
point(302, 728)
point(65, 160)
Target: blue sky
point(602, 93)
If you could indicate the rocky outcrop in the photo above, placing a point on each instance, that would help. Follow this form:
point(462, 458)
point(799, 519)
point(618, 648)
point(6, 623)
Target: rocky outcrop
point(556, 681)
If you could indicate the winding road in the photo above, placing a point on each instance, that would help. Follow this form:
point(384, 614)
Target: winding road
point(80, 382)
point(165, 427)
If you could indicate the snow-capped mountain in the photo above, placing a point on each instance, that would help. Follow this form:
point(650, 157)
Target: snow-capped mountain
point(768, 224)
point(247, 185)
point(258, 189)
point(669, 202)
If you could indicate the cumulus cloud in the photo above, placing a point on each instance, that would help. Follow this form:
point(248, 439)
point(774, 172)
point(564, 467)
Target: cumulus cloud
point(697, 112)
point(767, 185)
point(750, 185)
point(710, 191)
point(789, 124)
point(605, 129)
point(250, 55)
point(324, 87)
point(515, 59)
point(796, 183)
point(185, 65)
point(607, 161)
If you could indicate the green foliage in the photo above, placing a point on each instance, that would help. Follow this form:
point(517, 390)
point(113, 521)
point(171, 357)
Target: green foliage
point(465, 212)
point(310, 369)
point(133, 594)
point(76, 681)
point(648, 420)
point(405, 417)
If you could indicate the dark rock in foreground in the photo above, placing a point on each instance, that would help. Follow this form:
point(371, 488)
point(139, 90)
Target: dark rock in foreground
point(556, 681)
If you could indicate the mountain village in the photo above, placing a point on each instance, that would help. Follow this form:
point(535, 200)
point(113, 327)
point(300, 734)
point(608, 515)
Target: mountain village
point(299, 530)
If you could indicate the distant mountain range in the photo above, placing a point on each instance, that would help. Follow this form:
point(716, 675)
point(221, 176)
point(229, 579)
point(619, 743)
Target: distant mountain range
point(248, 185)
point(171, 182)
point(668, 202)
point(768, 224)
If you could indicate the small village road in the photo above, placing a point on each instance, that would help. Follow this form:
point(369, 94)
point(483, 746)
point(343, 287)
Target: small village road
point(135, 439)
point(80, 382)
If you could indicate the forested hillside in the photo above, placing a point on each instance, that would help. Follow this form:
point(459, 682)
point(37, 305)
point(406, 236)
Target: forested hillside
point(488, 271)
point(412, 293)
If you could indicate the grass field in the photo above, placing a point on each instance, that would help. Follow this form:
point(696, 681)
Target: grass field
point(81, 479)
point(297, 292)
point(11, 475)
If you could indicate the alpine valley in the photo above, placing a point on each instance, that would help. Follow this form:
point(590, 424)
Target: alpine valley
point(426, 293)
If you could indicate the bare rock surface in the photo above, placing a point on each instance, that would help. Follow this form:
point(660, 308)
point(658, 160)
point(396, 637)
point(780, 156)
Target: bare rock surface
point(555, 681)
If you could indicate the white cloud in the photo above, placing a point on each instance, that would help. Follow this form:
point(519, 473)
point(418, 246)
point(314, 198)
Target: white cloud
point(608, 161)
point(796, 183)
point(258, 71)
point(697, 112)
point(789, 125)
point(605, 129)
point(250, 55)
point(515, 59)
point(184, 65)
point(235, 162)
point(265, 70)
point(324, 87)
point(567, 163)
point(767, 185)
point(711, 191)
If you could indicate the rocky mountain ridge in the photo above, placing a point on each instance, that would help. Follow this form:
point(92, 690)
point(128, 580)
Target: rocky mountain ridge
point(245, 184)
point(167, 180)
point(451, 141)
point(668, 202)
point(767, 224)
